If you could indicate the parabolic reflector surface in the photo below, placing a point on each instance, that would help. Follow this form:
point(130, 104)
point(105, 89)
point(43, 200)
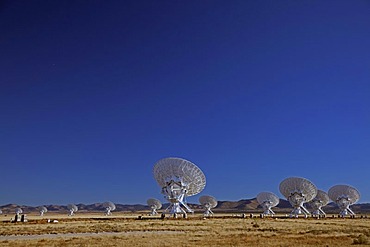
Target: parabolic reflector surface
point(178, 169)
point(320, 200)
point(339, 191)
point(152, 202)
point(297, 184)
point(268, 197)
point(210, 200)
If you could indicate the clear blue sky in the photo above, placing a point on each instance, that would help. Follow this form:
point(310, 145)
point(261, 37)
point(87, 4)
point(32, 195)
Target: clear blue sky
point(93, 93)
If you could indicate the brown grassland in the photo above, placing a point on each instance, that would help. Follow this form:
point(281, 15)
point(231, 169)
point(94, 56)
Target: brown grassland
point(221, 230)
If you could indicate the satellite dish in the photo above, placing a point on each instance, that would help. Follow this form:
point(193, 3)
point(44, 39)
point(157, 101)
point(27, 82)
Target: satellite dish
point(267, 200)
point(72, 209)
point(1, 211)
point(298, 191)
point(178, 179)
point(18, 211)
point(344, 196)
point(321, 199)
point(42, 210)
point(208, 202)
point(109, 206)
point(154, 205)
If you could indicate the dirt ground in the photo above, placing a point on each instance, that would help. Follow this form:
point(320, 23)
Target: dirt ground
point(220, 230)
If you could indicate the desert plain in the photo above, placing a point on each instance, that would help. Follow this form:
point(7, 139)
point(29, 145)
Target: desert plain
point(134, 229)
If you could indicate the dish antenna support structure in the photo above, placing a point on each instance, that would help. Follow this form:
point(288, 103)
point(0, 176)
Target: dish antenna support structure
point(178, 179)
point(43, 210)
point(298, 191)
point(208, 202)
point(344, 196)
point(154, 205)
point(109, 206)
point(267, 200)
point(72, 209)
point(321, 199)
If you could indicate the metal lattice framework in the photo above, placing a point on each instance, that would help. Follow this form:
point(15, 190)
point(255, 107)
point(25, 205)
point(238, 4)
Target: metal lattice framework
point(178, 179)
point(208, 202)
point(72, 209)
point(43, 210)
point(109, 206)
point(321, 199)
point(298, 191)
point(154, 205)
point(344, 196)
point(267, 200)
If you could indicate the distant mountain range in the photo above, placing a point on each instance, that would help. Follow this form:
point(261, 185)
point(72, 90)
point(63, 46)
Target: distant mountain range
point(242, 206)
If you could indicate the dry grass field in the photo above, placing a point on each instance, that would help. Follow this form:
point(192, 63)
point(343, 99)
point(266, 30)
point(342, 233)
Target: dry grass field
point(222, 230)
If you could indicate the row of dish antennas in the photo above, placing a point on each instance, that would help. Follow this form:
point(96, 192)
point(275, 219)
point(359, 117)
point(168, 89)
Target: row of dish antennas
point(19, 211)
point(299, 191)
point(179, 179)
point(72, 209)
point(108, 206)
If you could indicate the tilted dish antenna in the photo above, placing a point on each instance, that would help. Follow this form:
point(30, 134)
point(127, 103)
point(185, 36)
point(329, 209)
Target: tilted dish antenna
point(298, 191)
point(321, 199)
point(18, 211)
point(72, 209)
point(178, 179)
point(154, 205)
point(267, 200)
point(109, 206)
point(344, 196)
point(208, 202)
point(43, 210)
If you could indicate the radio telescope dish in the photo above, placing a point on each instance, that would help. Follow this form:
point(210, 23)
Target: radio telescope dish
point(208, 202)
point(178, 179)
point(18, 211)
point(267, 200)
point(72, 209)
point(298, 191)
point(321, 199)
point(154, 204)
point(42, 210)
point(344, 196)
point(109, 206)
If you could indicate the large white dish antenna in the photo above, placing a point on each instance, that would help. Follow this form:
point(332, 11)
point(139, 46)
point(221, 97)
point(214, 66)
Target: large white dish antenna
point(298, 191)
point(208, 202)
point(109, 206)
point(321, 199)
point(267, 200)
point(42, 210)
point(177, 169)
point(344, 196)
point(178, 179)
point(72, 209)
point(154, 205)
point(18, 211)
